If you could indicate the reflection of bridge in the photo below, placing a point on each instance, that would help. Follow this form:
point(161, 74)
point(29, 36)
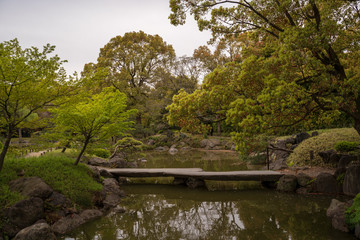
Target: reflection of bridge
point(197, 173)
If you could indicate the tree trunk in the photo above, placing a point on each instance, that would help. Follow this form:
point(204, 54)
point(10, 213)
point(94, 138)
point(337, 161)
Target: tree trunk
point(5, 148)
point(67, 145)
point(82, 151)
point(357, 125)
point(20, 135)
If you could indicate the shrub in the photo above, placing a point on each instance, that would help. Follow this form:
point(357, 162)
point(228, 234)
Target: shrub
point(100, 152)
point(345, 146)
point(353, 213)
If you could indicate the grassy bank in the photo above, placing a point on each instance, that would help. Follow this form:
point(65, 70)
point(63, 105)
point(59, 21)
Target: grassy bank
point(57, 170)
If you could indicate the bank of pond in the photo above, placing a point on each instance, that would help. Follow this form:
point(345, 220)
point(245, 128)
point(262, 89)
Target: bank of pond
point(154, 208)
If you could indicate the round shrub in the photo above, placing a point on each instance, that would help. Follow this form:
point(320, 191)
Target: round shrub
point(345, 146)
point(100, 152)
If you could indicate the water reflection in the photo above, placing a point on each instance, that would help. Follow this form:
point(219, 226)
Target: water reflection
point(172, 212)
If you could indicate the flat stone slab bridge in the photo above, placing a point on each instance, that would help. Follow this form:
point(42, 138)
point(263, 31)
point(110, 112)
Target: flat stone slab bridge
point(197, 173)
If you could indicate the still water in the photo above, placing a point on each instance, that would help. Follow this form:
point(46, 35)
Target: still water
point(160, 211)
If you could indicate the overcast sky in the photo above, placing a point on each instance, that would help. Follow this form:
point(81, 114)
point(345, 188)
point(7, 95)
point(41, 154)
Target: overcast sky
point(79, 28)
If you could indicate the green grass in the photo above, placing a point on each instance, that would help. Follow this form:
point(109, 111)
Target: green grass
point(326, 140)
point(57, 171)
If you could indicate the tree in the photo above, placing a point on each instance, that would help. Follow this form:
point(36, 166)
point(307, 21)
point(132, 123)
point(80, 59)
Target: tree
point(100, 116)
point(29, 79)
point(312, 68)
point(133, 61)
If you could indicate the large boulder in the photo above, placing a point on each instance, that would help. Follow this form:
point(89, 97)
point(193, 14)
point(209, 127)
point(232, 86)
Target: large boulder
point(90, 214)
point(345, 160)
point(301, 137)
point(351, 184)
point(303, 179)
point(111, 193)
point(336, 212)
point(31, 186)
point(326, 155)
point(40, 231)
point(278, 157)
point(326, 183)
point(287, 183)
point(26, 212)
point(67, 224)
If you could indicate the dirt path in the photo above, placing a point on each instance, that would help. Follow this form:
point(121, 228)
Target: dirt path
point(310, 171)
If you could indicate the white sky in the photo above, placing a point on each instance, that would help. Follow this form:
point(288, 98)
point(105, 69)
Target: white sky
point(79, 28)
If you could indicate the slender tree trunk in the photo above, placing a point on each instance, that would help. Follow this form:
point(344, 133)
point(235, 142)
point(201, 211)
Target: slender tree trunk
point(357, 125)
point(20, 135)
point(67, 145)
point(82, 151)
point(5, 148)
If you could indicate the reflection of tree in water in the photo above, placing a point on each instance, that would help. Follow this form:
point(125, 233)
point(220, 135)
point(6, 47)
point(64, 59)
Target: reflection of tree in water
point(256, 215)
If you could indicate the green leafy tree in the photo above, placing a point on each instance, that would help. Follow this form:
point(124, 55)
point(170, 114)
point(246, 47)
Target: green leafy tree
point(310, 69)
point(29, 80)
point(100, 116)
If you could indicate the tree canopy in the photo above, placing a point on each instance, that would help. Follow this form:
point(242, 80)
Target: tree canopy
point(30, 80)
point(93, 117)
point(304, 67)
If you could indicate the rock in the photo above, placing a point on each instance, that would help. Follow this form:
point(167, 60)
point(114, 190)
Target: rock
point(326, 183)
point(287, 183)
point(209, 143)
point(58, 200)
point(67, 224)
point(345, 160)
point(119, 209)
point(104, 173)
point(91, 214)
point(303, 179)
point(301, 137)
point(314, 134)
point(336, 212)
point(162, 149)
point(278, 157)
point(351, 184)
point(25, 212)
point(40, 231)
point(151, 142)
point(95, 173)
point(173, 150)
point(334, 159)
point(195, 183)
point(325, 155)
point(31, 186)
point(357, 231)
point(96, 161)
point(112, 193)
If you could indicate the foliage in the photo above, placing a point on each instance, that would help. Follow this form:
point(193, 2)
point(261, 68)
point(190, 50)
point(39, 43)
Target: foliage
point(100, 152)
point(353, 213)
point(58, 172)
point(345, 146)
point(29, 80)
point(298, 61)
point(324, 141)
point(100, 116)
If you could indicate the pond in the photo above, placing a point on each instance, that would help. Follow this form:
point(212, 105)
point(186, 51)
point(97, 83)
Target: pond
point(162, 211)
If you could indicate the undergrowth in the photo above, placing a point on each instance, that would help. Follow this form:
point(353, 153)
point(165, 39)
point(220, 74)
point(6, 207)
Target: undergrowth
point(57, 171)
point(353, 213)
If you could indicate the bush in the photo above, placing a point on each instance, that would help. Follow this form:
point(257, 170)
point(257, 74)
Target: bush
point(353, 213)
point(100, 152)
point(345, 146)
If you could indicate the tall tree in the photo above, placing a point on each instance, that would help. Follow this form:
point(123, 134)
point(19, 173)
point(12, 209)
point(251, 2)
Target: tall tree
point(314, 63)
point(100, 116)
point(29, 79)
point(133, 61)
